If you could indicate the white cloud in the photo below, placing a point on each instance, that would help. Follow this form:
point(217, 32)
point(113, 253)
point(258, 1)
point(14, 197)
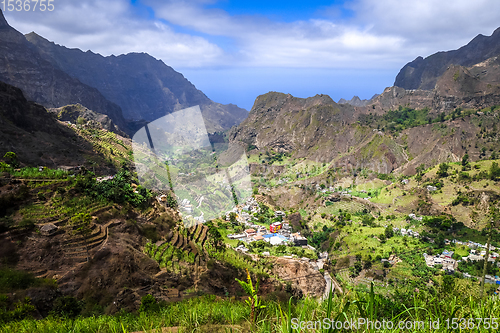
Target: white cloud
point(109, 27)
point(429, 25)
point(381, 33)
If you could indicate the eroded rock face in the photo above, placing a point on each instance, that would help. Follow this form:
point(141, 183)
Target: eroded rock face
point(302, 276)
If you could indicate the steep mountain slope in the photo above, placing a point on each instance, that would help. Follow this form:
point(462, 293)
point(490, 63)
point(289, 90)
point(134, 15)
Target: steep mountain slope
point(39, 139)
point(315, 128)
point(423, 73)
point(144, 87)
point(23, 67)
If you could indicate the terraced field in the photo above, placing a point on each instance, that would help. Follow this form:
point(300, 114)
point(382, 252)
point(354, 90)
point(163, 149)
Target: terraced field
point(176, 247)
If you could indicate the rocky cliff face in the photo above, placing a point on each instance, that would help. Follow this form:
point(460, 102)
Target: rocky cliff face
point(22, 66)
point(144, 87)
point(423, 73)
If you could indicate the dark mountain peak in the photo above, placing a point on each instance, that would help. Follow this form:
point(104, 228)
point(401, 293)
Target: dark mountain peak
point(3, 21)
point(34, 35)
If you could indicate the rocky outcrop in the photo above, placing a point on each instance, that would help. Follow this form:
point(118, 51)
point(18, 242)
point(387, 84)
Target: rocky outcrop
point(34, 135)
point(316, 128)
point(72, 113)
point(301, 275)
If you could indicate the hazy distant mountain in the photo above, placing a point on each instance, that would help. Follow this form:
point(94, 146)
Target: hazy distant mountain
point(22, 66)
point(356, 101)
point(423, 73)
point(144, 87)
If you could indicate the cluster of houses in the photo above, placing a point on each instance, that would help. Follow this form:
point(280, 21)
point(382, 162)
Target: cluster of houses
point(101, 179)
point(476, 255)
point(186, 206)
point(415, 217)
point(406, 232)
point(445, 259)
point(278, 233)
point(450, 265)
point(244, 212)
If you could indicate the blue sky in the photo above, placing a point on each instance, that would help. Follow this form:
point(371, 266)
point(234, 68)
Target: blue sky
point(235, 50)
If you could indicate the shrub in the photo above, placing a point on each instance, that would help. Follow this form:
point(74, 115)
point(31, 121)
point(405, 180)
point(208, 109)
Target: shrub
point(149, 304)
point(11, 280)
point(443, 170)
point(66, 306)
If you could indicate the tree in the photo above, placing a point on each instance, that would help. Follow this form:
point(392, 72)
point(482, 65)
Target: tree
point(440, 240)
point(465, 159)
point(11, 158)
point(442, 117)
point(418, 178)
point(281, 249)
point(66, 306)
point(216, 239)
point(420, 169)
point(494, 215)
point(171, 202)
point(232, 217)
point(149, 304)
point(494, 171)
point(443, 170)
point(389, 232)
point(382, 238)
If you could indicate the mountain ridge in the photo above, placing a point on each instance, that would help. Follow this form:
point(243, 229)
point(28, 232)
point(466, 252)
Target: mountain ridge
point(23, 67)
point(423, 73)
point(143, 86)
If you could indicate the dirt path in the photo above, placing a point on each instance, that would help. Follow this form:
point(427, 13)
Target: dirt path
point(328, 288)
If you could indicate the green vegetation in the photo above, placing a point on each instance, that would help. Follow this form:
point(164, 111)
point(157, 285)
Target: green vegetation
point(253, 299)
point(118, 189)
point(443, 300)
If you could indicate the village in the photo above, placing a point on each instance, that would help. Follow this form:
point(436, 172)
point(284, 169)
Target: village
point(279, 233)
point(446, 261)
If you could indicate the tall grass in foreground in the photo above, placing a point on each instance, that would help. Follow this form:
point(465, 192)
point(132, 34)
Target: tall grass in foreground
point(208, 314)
